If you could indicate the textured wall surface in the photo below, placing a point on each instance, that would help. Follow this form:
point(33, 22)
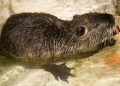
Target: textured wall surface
point(63, 9)
point(117, 5)
point(101, 69)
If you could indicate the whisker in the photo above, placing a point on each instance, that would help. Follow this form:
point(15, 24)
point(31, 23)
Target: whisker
point(105, 43)
point(110, 34)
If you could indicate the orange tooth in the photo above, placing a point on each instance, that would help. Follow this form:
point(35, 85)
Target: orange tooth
point(117, 29)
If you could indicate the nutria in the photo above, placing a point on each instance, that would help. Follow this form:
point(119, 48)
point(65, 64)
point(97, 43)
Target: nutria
point(41, 38)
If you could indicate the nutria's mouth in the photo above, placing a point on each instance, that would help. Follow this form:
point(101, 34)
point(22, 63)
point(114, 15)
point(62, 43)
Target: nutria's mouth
point(115, 30)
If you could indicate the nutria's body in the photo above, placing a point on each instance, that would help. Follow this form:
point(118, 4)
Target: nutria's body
point(40, 37)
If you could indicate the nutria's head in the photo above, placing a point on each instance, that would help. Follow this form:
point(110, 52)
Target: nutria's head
point(91, 29)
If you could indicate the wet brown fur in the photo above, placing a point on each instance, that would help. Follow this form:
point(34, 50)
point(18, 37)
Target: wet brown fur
point(42, 38)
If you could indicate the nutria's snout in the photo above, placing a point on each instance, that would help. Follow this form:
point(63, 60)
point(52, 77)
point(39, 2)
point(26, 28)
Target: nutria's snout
point(98, 27)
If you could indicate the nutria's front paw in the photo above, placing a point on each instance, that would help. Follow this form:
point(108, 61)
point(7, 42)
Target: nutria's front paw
point(61, 71)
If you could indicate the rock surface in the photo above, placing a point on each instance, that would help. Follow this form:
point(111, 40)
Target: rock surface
point(117, 6)
point(101, 69)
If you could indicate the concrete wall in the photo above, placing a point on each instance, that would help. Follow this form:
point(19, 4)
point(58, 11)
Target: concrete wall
point(63, 9)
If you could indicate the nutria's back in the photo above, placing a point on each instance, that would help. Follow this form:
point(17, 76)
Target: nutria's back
point(43, 37)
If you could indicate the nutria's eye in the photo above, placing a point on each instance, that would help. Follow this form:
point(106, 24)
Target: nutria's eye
point(80, 31)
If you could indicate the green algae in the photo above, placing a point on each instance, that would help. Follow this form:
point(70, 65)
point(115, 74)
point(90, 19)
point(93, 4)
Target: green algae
point(117, 7)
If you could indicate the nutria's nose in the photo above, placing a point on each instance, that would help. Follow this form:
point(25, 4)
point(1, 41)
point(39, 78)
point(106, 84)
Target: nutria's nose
point(111, 16)
point(111, 20)
point(108, 18)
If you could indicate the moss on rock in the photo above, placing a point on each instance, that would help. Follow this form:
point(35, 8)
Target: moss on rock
point(117, 7)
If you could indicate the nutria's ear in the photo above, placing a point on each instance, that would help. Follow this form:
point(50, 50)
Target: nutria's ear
point(76, 17)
